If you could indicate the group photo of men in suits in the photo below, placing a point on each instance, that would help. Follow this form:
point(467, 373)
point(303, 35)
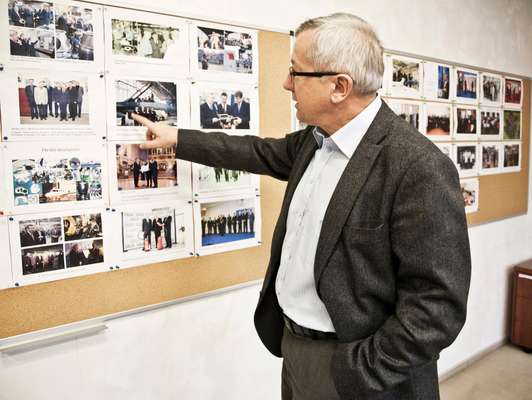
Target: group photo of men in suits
point(47, 101)
point(30, 14)
point(491, 88)
point(138, 168)
point(42, 259)
point(512, 91)
point(227, 221)
point(466, 84)
point(84, 253)
point(466, 121)
point(152, 229)
point(490, 123)
point(224, 110)
point(40, 231)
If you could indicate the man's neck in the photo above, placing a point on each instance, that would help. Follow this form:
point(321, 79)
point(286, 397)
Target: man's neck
point(345, 113)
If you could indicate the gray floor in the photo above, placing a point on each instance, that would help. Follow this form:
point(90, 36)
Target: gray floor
point(505, 374)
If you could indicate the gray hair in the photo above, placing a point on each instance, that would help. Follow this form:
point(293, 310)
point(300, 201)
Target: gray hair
point(345, 43)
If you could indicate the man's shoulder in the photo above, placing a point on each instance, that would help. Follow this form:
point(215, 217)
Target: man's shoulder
point(405, 145)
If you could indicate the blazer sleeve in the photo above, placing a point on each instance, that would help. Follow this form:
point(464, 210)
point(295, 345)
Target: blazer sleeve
point(429, 239)
point(264, 156)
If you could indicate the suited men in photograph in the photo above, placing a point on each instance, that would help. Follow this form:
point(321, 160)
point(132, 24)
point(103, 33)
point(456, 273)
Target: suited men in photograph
point(41, 99)
point(168, 231)
point(369, 265)
point(209, 113)
point(154, 172)
point(240, 109)
point(80, 91)
point(72, 96)
point(30, 95)
point(27, 236)
point(136, 172)
point(63, 99)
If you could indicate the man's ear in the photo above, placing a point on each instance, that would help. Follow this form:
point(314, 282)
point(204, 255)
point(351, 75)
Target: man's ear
point(342, 87)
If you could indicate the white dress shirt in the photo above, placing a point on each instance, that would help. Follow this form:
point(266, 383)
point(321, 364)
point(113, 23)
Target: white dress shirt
point(295, 285)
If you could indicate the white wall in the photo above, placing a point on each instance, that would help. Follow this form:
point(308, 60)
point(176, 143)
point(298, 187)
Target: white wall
point(207, 349)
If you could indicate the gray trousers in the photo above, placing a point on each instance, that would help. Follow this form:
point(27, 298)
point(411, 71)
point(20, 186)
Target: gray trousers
point(306, 371)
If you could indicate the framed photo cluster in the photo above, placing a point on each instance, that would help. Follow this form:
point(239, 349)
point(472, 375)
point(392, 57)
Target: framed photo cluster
point(80, 193)
point(474, 117)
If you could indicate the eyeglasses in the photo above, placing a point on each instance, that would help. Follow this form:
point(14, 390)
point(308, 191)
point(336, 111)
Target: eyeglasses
point(293, 73)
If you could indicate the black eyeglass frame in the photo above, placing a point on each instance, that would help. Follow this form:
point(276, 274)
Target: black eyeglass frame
point(293, 73)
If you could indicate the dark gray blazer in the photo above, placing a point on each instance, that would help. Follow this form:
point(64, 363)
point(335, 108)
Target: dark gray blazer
point(392, 265)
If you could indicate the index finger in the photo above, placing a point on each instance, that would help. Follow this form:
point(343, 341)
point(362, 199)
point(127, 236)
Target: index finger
point(142, 120)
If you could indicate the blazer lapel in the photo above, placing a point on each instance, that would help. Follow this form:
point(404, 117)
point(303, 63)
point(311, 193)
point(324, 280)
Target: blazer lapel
point(349, 187)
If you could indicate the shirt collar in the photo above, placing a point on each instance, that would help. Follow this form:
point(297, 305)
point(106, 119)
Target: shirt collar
point(348, 137)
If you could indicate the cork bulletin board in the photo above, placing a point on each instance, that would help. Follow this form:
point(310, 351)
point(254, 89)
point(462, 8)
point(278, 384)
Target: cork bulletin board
point(35, 307)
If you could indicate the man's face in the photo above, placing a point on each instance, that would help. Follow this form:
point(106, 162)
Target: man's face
point(210, 99)
point(224, 99)
point(312, 95)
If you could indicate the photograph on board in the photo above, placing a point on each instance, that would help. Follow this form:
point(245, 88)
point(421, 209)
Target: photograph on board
point(26, 42)
point(216, 179)
point(466, 122)
point(408, 111)
point(74, 32)
point(52, 179)
point(154, 100)
point(228, 109)
point(83, 226)
point(467, 159)
point(227, 221)
point(50, 30)
point(436, 81)
point(31, 14)
point(491, 89)
point(470, 193)
point(138, 168)
point(144, 39)
point(152, 230)
point(490, 124)
point(438, 118)
point(466, 85)
point(35, 232)
point(53, 101)
point(512, 156)
point(512, 91)
point(224, 50)
point(512, 125)
point(48, 244)
point(42, 259)
point(406, 76)
point(491, 155)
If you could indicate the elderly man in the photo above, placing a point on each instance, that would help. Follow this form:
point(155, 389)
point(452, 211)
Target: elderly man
point(370, 265)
